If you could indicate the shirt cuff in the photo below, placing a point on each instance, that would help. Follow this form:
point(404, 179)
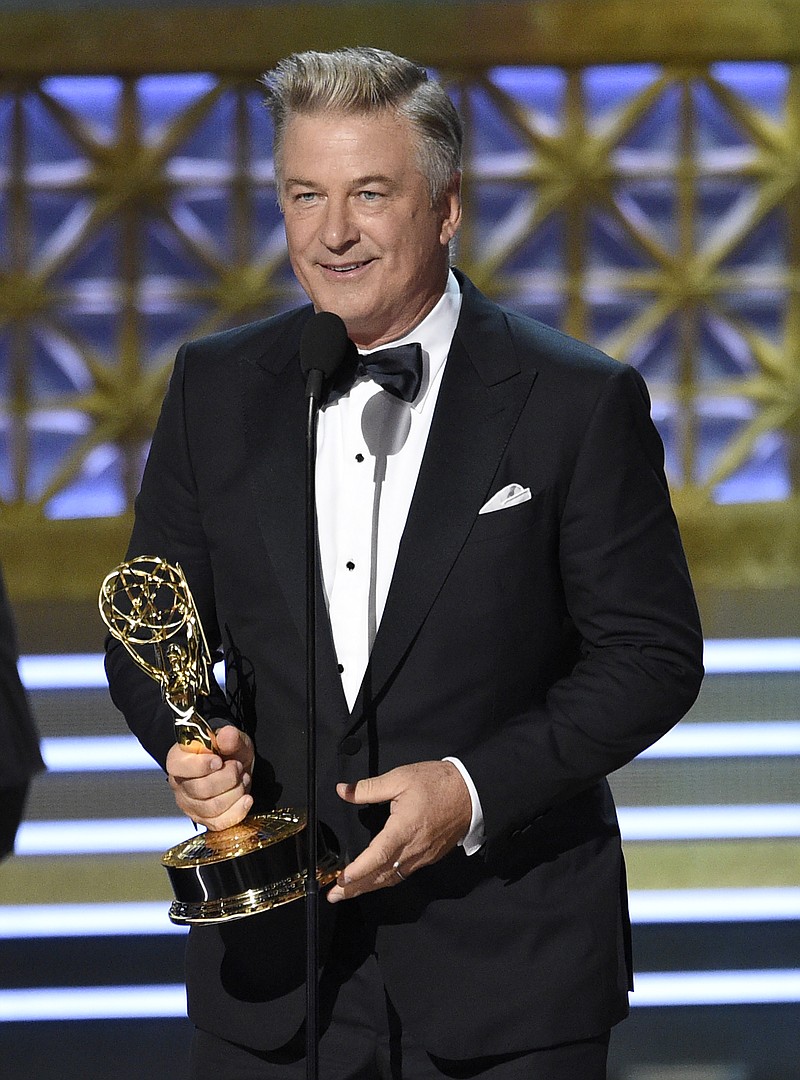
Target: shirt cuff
point(476, 836)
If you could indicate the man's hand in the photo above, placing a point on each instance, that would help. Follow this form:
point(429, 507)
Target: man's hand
point(213, 789)
point(429, 812)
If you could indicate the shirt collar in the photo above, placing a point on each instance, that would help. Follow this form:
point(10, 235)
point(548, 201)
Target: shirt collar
point(435, 334)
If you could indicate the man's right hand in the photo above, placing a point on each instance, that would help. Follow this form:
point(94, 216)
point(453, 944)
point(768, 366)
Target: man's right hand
point(214, 789)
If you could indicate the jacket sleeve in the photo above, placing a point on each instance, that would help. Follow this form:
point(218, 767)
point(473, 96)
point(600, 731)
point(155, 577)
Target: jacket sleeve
point(628, 594)
point(168, 525)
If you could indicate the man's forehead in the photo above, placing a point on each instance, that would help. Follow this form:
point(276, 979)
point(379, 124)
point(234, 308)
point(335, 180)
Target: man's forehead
point(366, 146)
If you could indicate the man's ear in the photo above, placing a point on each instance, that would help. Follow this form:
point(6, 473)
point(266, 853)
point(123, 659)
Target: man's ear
point(451, 209)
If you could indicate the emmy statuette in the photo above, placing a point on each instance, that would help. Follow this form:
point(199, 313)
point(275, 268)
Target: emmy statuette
point(251, 867)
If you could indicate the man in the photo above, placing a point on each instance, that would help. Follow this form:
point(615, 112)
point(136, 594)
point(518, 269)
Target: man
point(509, 619)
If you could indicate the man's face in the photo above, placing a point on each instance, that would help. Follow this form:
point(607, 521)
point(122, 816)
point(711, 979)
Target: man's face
point(363, 238)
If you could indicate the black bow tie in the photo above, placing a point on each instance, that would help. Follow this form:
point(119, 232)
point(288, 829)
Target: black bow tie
point(397, 369)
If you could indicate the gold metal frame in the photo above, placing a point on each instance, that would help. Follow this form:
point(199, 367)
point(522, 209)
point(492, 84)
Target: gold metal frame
point(571, 170)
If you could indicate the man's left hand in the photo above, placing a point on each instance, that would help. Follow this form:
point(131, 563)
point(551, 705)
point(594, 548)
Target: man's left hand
point(429, 812)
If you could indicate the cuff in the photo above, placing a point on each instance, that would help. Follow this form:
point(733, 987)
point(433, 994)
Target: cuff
point(476, 836)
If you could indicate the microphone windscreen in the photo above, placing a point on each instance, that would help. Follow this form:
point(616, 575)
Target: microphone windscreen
point(324, 343)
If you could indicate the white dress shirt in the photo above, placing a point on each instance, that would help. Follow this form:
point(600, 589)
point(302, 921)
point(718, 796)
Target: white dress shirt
point(369, 450)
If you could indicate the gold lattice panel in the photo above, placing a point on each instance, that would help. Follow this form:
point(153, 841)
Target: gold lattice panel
point(651, 209)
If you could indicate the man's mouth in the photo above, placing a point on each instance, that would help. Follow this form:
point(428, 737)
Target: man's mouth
point(345, 268)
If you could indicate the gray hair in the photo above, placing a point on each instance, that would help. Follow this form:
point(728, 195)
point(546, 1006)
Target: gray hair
point(365, 80)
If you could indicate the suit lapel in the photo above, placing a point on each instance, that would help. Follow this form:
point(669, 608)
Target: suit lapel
point(482, 395)
point(274, 411)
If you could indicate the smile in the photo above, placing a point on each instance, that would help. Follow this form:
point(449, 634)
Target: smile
point(348, 269)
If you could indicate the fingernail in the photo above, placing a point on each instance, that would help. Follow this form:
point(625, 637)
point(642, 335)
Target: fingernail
point(215, 764)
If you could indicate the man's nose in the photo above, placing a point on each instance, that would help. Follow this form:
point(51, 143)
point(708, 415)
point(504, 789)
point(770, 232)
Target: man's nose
point(339, 230)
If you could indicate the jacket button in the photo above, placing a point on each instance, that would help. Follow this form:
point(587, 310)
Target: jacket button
point(350, 745)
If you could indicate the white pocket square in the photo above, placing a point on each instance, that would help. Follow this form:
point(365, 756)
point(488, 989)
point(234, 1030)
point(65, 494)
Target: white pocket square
point(512, 495)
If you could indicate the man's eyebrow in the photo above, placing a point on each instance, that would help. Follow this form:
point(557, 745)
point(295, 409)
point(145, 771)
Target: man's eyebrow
point(374, 178)
point(360, 181)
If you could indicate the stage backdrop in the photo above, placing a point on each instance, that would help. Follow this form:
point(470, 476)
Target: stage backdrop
point(635, 181)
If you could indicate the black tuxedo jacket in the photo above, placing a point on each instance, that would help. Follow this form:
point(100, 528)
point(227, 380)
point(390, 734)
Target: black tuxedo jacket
point(545, 645)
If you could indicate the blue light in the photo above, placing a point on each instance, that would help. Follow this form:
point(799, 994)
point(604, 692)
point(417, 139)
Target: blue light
point(92, 1003)
point(760, 987)
point(101, 836)
point(721, 657)
point(76, 672)
point(653, 990)
point(86, 920)
point(714, 905)
point(105, 836)
point(733, 822)
point(779, 738)
point(741, 655)
point(647, 907)
point(64, 671)
point(121, 753)
point(100, 753)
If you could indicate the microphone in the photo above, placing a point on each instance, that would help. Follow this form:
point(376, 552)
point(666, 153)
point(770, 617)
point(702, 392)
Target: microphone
point(323, 346)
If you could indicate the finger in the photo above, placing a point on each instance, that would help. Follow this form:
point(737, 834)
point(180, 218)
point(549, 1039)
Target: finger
point(234, 743)
point(204, 805)
point(373, 868)
point(183, 764)
point(230, 816)
point(371, 789)
point(230, 777)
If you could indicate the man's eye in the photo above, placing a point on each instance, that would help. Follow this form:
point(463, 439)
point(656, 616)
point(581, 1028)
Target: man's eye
point(370, 196)
point(305, 196)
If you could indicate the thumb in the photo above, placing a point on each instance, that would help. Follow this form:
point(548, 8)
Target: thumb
point(370, 790)
point(234, 743)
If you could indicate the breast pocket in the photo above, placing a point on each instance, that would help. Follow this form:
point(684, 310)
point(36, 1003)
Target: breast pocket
point(507, 522)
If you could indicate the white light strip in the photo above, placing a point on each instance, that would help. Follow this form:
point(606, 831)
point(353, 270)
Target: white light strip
point(72, 671)
point(92, 1003)
point(86, 920)
point(105, 836)
point(653, 989)
point(709, 822)
point(101, 753)
point(740, 655)
point(772, 738)
point(721, 657)
point(648, 906)
point(714, 905)
point(100, 837)
point(63, 672)
point(119, 753)
point(760, 987)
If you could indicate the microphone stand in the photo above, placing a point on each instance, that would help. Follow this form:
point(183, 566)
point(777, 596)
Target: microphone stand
point(323, 346)
point(313, 394)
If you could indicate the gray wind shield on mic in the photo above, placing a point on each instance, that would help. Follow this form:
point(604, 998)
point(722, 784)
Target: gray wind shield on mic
point(323, 346)
point(385, 424)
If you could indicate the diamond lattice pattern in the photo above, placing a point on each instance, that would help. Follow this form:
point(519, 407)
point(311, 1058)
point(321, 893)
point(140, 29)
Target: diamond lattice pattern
point(652, 211)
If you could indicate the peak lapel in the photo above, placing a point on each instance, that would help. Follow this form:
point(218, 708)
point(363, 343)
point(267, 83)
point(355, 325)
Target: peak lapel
point(273, 410)
point(481, 398)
